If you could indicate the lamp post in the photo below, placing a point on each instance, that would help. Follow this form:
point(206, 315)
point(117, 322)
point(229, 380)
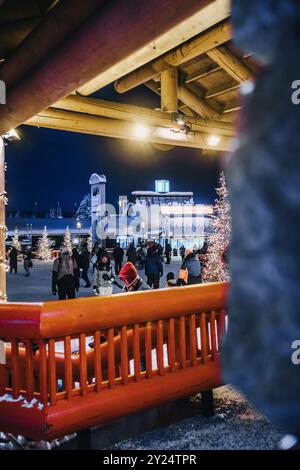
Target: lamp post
point(78, 225)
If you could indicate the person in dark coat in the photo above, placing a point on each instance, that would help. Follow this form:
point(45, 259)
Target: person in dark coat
point(131, 254)
point(85, 264)
point(153, 266)
point(193, 266)
point(168, 253)
point(182, 252)
point(65, 276)
point(118, 255)
point(27, 257)
point(13, 260)
point(76, 256)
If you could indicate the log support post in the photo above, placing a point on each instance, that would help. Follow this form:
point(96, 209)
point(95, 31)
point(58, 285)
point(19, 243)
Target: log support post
point(207, 404)
point(169, 90)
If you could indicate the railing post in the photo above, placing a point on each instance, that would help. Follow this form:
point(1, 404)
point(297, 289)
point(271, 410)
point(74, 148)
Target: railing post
point(207, 404)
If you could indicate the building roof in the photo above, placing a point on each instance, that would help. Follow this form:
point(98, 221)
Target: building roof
point(170, 194)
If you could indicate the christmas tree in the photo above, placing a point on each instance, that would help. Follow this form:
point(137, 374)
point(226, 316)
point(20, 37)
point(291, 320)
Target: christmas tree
point(68, 241)
point(84, 208)
point(15, 241)
point(215, 269)
point(44, 250)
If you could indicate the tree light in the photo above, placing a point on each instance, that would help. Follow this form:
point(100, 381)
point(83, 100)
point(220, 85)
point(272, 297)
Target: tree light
point(141, 131)
point(213, 140)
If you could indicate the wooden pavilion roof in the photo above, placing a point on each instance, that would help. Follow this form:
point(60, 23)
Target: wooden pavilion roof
point(208, 69)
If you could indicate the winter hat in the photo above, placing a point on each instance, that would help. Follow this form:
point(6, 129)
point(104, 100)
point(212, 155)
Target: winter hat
point(187, 252)
point(128, 273)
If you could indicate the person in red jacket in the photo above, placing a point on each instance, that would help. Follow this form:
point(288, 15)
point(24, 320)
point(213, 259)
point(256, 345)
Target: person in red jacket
point(131, 279)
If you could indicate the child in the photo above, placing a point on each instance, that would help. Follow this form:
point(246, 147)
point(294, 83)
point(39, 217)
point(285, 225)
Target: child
point(171, 281)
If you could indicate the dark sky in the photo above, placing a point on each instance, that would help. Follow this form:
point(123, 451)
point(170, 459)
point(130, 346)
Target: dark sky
point(48, 166)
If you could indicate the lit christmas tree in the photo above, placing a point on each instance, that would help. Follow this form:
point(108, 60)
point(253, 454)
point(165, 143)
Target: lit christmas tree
point(68, 240)
point(15, 241)
point(215, 269)
point(89, 243)
point(44, 250)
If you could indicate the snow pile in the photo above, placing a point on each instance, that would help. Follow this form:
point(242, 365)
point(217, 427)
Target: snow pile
point(8, 398)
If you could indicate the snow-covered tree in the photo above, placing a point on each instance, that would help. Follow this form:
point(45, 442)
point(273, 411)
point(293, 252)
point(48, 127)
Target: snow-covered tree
point(44, 250)
point(84, 208)
point(215, 269)
point(15, 241)
point(89, 243)
point(68, 240)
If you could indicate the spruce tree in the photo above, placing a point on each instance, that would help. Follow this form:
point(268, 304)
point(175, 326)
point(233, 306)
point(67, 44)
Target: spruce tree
point(215, 269)
point(44, 250)
point(68, 240)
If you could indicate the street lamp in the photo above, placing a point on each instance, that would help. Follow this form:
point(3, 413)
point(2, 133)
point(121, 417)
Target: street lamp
point(78, 225)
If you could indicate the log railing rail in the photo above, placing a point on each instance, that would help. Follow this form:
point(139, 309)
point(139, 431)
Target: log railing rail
point(74, 364)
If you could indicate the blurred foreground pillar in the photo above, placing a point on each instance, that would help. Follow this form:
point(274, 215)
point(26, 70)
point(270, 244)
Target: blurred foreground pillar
point(264, 183)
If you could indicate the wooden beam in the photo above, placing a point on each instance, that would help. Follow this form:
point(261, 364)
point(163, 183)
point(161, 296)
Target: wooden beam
point(221, 90)
point(191, 49)
point(232, 106)
point(86, 124)
point(169, 93)
point(199, 105)
point(234, 66)
point(126, 112)
point(195, 76)
point(207, 16)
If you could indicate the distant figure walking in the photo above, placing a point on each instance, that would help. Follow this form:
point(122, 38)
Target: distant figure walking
point(27, 261)
point(13, 260)
point(65, 276)
point(153, 266)
point(118, 255)
point(182, 252)
point(104, 277)
point(131, 254)
point(168, 253)
point(141, 255)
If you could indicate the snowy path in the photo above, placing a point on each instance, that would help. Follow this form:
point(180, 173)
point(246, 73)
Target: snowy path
point(37, 287)
point(236, 426)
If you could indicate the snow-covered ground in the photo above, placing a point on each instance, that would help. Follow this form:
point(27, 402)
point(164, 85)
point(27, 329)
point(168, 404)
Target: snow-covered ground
point(235, 426)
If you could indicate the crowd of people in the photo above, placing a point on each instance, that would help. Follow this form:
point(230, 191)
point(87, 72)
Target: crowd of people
point(120, 268)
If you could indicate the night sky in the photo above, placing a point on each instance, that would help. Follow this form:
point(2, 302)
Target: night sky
point(48, 166)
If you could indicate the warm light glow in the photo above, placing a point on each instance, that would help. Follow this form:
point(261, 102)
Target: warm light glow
point(180, 120)
point(141, 131)
point(213, 140)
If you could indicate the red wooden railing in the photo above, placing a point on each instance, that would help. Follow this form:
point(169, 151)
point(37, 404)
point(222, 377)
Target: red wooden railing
point(149, 347)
